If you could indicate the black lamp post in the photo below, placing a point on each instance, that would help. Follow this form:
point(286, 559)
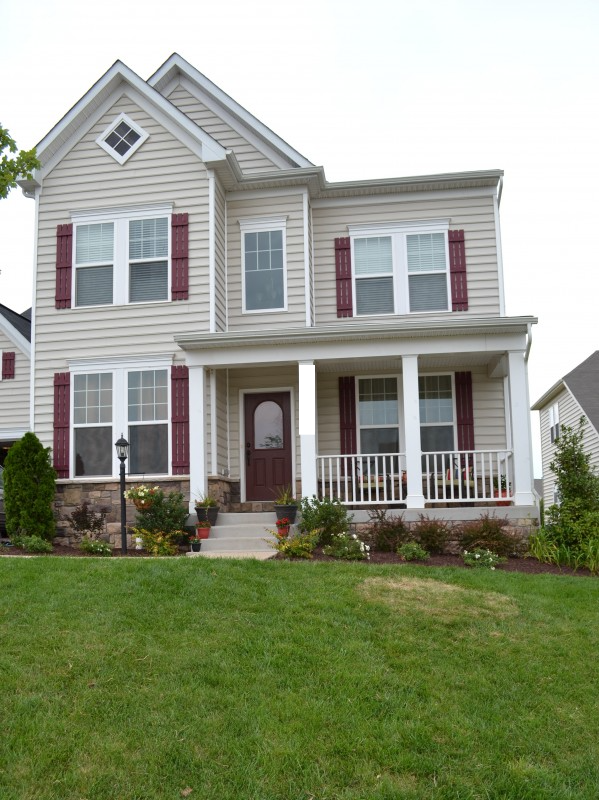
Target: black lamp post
point(122, 451)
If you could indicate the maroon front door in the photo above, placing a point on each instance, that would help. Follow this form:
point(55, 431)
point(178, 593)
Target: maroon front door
point(267, 444)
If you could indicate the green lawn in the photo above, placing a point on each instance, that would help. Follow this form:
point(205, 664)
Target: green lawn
point(131, 679)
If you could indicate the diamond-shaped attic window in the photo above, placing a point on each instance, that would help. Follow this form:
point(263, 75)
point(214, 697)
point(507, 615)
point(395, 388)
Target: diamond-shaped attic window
point(122, 138)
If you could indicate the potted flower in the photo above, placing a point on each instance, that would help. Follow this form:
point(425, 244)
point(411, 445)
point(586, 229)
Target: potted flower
point(202, 532)
point(286, 504)
point(283, 524)
point(207, 508)
point(501, 488)
point(142, 496)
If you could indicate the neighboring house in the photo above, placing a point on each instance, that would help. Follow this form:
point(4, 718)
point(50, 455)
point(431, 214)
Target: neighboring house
point(576, 395)
point(203, 289)
point(15, 357)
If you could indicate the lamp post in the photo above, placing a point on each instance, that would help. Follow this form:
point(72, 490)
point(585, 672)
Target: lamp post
point(122, 451)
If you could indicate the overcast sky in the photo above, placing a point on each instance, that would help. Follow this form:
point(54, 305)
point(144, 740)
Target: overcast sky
point(369, 89)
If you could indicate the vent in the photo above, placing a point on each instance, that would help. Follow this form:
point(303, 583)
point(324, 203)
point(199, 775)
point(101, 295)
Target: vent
point(122, 138)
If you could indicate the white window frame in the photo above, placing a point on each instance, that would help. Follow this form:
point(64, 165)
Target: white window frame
point(121, 217)
point(400, 414)
point(262, 225)
point(398, 231)
point(454, 423)
point(121, 159)
point(554, 426)
point(120, 369)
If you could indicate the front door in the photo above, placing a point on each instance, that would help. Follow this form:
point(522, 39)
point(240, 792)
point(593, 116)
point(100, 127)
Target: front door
point(267, 444)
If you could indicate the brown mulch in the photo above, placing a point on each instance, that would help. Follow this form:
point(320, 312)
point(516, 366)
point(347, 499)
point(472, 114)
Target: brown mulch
point(528, 565)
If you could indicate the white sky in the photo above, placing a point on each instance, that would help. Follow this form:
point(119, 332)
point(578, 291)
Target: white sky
point(369, 89)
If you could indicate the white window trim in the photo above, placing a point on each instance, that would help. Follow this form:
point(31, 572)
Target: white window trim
point(260, 225)
point(398, 231)
point(120, 369)
point(121, 159)
point(120, 218)
point(454, 423)
point(400, 409)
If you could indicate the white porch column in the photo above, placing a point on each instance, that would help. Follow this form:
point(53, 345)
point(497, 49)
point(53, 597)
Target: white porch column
point(521, 436)
point(411, 405)
point(198, 475)
point(307, 427)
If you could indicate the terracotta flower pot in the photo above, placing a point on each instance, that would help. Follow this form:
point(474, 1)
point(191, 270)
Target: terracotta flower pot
point(141, 503)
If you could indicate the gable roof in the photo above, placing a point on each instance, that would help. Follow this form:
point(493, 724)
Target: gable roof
point(176, 67)
point(17, 327)
point(583, 383)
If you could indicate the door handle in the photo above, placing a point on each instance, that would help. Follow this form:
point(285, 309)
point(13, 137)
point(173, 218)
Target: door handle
point(248, 453)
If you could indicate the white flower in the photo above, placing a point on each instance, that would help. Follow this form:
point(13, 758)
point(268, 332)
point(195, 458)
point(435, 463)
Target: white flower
point(492, 567)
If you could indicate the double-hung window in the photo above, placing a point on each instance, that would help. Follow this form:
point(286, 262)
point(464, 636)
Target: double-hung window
point(378, 415)
point(436, 413)
point(122, 256)
point(147, 411)
point(554, 422)
point(92, 423)
point(263, 266)
point(401, 268)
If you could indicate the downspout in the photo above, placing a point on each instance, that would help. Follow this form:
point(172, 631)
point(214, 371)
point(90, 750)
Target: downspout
point(528, 343)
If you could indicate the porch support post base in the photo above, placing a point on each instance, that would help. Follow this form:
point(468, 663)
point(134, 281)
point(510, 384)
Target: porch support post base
point(198, 475)
point(415, 501)
point(307, 427)
point(415, 496)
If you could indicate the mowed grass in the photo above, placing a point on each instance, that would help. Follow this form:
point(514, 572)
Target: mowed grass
point(132, 679)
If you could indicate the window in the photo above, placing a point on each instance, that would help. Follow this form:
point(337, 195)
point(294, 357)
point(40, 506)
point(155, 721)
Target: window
point(125, 398)
point(554, 422)
point(122, 138)
point(378, 415)
point(436, 413)
point(123, 258)
point(401, 268)
point(263, 264)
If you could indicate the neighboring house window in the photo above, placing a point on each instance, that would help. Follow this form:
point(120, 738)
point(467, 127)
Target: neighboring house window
point(554, 421)
point(400, 269)
point(436, 413)
point(264, 264)
point(378, 415)
point(121, 260)
point(122, 138)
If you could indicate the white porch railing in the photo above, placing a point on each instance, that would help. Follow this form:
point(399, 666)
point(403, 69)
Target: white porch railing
point(447, 477)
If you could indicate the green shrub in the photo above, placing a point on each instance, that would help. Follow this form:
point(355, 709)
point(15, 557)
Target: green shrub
point(300, 545)
point(167, 514)
point(329, 517)
point(412, 551)
point(487, 533)
point(347, 546)
point(95, 547)
point(32, 544)
point(158, 543)
point(481, 558)
point(29, 489)
point(432, 534)
point(388, 532)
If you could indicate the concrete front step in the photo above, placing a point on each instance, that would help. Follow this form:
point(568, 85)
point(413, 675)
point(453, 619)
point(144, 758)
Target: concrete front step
point(240, 535)
point(258, 555)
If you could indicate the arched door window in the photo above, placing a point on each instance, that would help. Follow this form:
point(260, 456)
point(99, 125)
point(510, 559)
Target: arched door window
point(268, 426)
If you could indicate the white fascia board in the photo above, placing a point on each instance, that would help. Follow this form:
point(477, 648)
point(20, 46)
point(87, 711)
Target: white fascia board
point(210, 91)
point(103, 90)
point(549, 395)
point(404, 197)
point(15, 336)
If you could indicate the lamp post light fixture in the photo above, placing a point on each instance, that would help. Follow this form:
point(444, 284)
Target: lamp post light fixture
point(122, 451)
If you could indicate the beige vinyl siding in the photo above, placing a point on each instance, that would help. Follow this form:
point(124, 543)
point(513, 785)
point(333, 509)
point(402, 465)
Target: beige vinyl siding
point(220, 257)
point(291, 207)
point(161, 171)
point(222, 421)
point(570, 413)
point(472, 214)
point(249, 157)
point(14, 392)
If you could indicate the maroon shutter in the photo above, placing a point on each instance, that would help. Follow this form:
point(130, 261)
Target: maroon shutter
point(180, 257)
point(465, 410)
point(64, 265)
point(8, 366)
point(180, 419)
point(457, 271)
point(62, 403)
point(343, 277)
point(347, 415)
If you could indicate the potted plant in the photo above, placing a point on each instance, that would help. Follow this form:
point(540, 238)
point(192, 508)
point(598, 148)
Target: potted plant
point(142, 496)
point(286, 504)
point(501, 488)
point(283, 525)
point(202, 529)
point(207, 508)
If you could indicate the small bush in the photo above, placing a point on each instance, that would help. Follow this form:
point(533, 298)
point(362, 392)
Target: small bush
point(168, 513)
point(32, 544)
point(327, 516)
point(412, 551)
point(432, 534)
point(348, 546)
point(86, 521)
point(301, 545)
point(95, 547)
point(487, 533)
point(388, 532)
point(158, 543)
point(481, 558)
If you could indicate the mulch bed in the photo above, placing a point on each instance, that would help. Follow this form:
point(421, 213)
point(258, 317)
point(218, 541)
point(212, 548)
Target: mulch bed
point(529, 565)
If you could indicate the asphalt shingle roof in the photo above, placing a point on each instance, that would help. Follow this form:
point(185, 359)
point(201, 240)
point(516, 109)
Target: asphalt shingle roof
point(20, 322)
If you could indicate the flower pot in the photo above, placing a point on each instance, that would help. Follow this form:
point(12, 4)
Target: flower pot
point(283, 530)
point(502, 493)
point(203, 533)
point(196, 547)
point(140, 503)
point(286, 511)
point(209, 513)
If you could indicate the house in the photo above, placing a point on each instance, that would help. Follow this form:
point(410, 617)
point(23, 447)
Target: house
point(576, 395)
point(15, 356)
point(203, 289)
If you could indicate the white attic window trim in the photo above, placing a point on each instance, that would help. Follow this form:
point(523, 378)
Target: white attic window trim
point(122, 138)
